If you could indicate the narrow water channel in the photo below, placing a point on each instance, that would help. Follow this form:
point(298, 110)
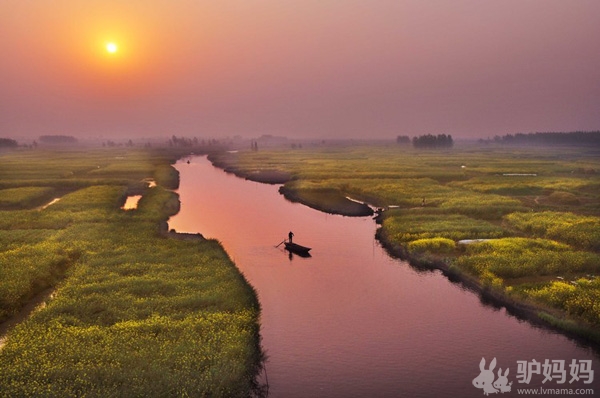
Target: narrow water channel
point(350, 321)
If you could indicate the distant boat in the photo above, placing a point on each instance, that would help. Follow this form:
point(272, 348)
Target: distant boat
point(297, 249)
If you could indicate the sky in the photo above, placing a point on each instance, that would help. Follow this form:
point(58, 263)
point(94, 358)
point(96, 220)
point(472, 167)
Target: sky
point(302, 69)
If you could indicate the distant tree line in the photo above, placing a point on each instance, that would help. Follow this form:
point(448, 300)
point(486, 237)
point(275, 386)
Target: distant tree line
point(112, 144)
point(8, 143)
point(58, 139)
point(586, 138)
point(433, 141)
point(183, 141)
point(190, 142)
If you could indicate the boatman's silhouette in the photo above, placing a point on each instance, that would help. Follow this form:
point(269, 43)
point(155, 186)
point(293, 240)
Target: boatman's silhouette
point(291, 235)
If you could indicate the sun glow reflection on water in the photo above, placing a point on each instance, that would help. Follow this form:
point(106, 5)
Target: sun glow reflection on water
point(131, 202)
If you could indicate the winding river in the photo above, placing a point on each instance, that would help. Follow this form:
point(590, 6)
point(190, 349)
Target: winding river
point(350, 321)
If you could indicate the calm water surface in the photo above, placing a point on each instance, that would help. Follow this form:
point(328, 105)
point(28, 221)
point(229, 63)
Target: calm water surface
point(350, 321)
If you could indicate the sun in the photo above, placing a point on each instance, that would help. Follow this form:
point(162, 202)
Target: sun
point(112, 47)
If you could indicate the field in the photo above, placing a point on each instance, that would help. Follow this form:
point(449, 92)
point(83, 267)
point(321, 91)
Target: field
point(132, 313)
point(535, 212)
point(136, 313)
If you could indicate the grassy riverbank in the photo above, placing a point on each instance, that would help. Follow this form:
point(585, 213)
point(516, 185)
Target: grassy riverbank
point(537, 210)
point(134, 313)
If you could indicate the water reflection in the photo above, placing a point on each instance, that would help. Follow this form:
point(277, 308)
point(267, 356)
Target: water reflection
point(53, 201)
point(291, 255)
point(351, 321)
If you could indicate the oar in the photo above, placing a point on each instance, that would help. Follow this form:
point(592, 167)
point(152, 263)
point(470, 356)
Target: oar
point(280, 243)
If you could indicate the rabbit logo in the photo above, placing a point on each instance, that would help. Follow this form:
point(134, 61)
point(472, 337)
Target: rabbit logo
point(485, 380)
point(501, 382)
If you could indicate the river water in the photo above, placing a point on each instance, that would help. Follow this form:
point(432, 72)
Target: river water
point(350, 321)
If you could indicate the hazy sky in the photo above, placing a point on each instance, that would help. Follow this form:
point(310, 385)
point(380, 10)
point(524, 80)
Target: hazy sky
point(305, 68)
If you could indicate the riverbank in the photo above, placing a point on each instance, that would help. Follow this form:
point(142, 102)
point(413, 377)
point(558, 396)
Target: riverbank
point(137, 311)
point(521, 307)
point(542, 262)
point(326, 199)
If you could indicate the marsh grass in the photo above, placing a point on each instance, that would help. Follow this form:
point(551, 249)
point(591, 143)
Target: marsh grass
point(579, 299)
point(405, 226)
point(432, 245)
point(14, 239)
point(25, 197)
point(134, 313)
point(518, 257)
point(577, 230)
point(29, 269)
point(330, 200)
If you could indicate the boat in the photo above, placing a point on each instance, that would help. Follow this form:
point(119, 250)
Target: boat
point(297, 249)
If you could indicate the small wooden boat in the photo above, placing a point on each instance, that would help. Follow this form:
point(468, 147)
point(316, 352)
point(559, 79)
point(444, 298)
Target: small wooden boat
point(297, 249)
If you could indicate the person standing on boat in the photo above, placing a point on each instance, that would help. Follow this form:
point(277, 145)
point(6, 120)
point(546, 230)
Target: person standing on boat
point(291, 235)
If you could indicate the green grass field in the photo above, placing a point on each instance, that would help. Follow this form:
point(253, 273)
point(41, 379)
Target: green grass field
point(540, 206)
point(134, 313)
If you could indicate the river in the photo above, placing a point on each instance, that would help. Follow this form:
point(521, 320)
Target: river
point(350, 321)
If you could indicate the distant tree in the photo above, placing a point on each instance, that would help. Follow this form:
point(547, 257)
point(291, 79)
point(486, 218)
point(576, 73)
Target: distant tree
point(182, 141)
point(403, 139)
point(574, 138)
point(433, 141)
point(58, 139)
point(8, 143)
